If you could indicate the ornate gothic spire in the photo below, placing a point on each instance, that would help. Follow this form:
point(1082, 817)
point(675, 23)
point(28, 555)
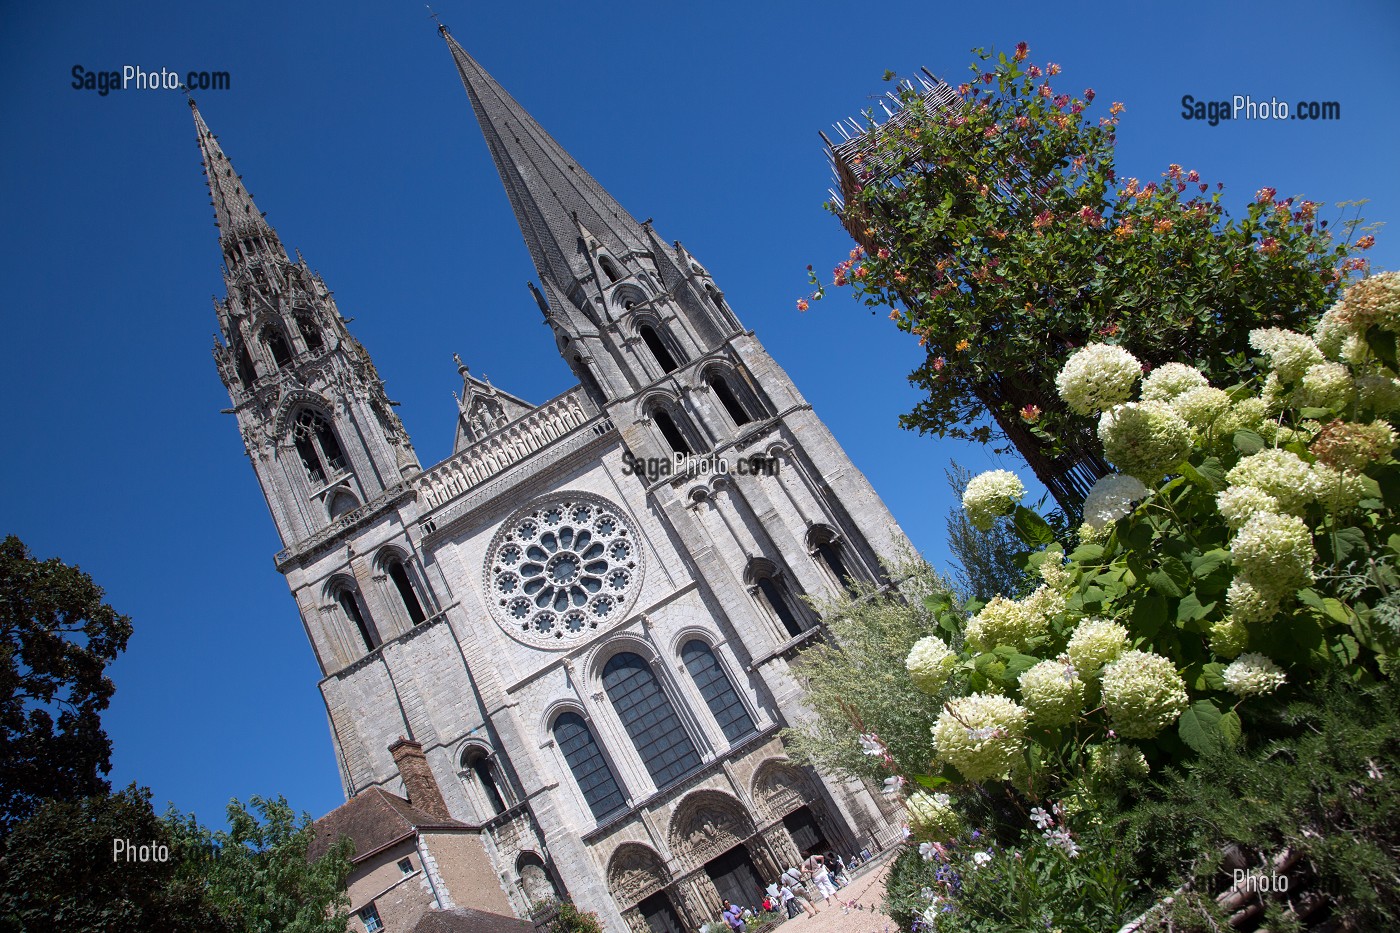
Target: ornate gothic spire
point(551, 194)
point(235, 214)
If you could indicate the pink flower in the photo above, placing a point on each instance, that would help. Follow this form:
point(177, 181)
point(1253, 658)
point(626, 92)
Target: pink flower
point(1054, 69)
point(883, 253)
point(1030, 414)
point(1265, 195)
point(963, 89)
point(1089, 94)
point(860, 272)
point(802, 304)
point(1022, 122)
point(1268, 246)
point(1021, 51)
point(991, 131)
point(1045, 91)
point(1034, 71)
point(1193, 176)
point(938, 364)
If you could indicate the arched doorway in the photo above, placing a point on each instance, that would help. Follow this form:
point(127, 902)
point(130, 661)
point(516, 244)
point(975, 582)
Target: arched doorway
point(711, 831)
point(637, 880)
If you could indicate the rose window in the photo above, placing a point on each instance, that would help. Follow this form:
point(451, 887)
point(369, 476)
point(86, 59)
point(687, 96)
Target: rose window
point(563, 569)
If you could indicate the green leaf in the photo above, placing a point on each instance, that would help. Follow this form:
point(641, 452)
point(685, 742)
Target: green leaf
point(1200, 727)
point(1149, 614)
point(1343, 545)
point(1170, 578)
point(1017, 665)
point(1316, 414)
point(1031, 528)
point(1088, 553)
point(1230, 728)
point(1247, 442)
point(1199, 479)
point(1191, 610)
point(1212, 676)
point(1214, 472)
point(1208, 563)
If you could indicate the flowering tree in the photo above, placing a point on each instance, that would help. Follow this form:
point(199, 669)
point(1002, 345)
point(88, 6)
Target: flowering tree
point(994, 224)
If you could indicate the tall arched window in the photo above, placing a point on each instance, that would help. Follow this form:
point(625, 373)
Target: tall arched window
point(395, 568)
point(720, 386)
point(477, 764)
point(774, 596)
point(609, 269)
point(246, 372)
point(673, 434)
point(277, 345)
point(658, 349)
point(350, 605)
point(720, 696)
point(649, 718)
point(309, 332)
point(714, 297)
point(316, 445)
point(829, 554)
point(589, 767)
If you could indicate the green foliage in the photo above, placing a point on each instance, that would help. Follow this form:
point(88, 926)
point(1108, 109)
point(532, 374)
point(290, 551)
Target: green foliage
point(59, 871)
point(572, 920)
point(256, 874)
point(1318, 777)
point(908, 886)
point(998, 230)
point(858, 684)
point(57, 637)
point(985, 560)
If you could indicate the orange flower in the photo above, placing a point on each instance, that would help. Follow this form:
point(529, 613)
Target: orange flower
point(894, 315)
point(1366, 242)
point(802, 304)
point(1162, 226)
point(962, 345)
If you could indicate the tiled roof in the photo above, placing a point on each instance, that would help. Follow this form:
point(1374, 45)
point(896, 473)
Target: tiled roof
point(373, 819)
point(467, 920)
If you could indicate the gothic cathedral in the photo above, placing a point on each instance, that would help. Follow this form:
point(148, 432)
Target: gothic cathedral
point(596, 657)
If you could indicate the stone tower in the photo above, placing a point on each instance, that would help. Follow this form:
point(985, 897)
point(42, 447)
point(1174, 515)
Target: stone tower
point(588, 615)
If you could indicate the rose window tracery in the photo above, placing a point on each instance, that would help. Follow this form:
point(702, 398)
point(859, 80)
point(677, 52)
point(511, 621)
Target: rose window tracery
point(563, 569)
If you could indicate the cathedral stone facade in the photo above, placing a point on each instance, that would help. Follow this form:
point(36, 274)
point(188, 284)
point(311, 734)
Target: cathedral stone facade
point(594, 648)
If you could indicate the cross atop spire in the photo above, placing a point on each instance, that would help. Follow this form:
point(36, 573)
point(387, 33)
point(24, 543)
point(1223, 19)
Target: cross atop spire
point(551, 194)
point(235, 214)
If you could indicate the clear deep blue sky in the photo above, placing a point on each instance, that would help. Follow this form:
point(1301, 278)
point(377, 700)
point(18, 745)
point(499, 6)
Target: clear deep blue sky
point(353, 132)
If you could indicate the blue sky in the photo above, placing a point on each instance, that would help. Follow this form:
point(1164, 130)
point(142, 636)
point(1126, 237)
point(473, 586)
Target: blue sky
point(353, 132)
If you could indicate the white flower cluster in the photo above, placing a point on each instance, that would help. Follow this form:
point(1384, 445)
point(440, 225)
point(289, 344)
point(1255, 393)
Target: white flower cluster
point(1098, 377)
point(1375, 300)
point(981, 735)
point(1168, 381)
point(1228, 637)
point(930, 662)
point(1145, 439)
point(1112, 498)
point(1281, 474)
point(1203, 408)
point(1326, 385)
point(932, 817)
point(990, 494)
point(1290, 354)
point(1253, 675)
point(1239, 504)
point(1053, 692)
point(1005, 622)
point(1337, 491)
point(1094, 643)
point(1117, 761)
point(1247, 605)
point(1143, 694)
point(1274, 554)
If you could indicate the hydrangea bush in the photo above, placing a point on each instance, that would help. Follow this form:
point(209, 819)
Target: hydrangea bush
point(1248, 544)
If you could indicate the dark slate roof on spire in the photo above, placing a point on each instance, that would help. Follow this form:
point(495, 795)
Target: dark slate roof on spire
point(234, 211)
point(548, 189)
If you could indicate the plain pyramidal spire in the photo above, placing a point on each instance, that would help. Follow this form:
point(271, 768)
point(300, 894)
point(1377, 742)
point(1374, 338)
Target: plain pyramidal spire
point(235, 213)
point(551, 194)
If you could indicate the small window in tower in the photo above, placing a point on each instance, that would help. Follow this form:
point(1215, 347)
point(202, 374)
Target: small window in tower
point(720, 386)
point(658, 349)
point(309, 332)
point(246, 372)
point(341, 502)
point(609, 269)
point(351, 607)
point(277, 346)
point(316, 445)
point(399, 575)
point(673, 435)
point(714, 297)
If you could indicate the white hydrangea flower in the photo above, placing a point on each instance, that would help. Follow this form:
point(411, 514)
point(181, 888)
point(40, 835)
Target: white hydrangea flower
point(1098, 377)
point(1046, 604)
point(930, 662)
point(1202, 407)
point(1228, 637)
point(1337, 491)
point(1053, 692)
point(1326, 385)
point(1373, 300)
point(1352, 446)
point(1290, 353)
point(1274, 554)
point(1238, 504)
point(1094, 643)
point(1093, 534)
point(1247, 605)
point(1378, 392)
point(1116, 761)
point(990, 494)
point(1054, 571)
point(981, 735)
point(1243, 415)
point(1281, 474)
point(1112, 498)
point(1004, 622)
point(1145, 439)
point(1143, 694)
point(1169, 380)
point(1331, 332)
point(1253, 675)
point(932, 817)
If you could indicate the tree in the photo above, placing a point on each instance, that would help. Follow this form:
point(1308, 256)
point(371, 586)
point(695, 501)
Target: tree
point(993, 222)
point(57, 637)
point(858, 685)
point(256, 874)
point(98, 864)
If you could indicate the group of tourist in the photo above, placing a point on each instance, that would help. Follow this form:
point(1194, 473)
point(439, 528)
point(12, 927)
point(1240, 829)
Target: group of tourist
point(794, 892)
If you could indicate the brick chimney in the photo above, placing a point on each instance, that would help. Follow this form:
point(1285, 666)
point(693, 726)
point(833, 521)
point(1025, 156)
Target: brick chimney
point(418, 780)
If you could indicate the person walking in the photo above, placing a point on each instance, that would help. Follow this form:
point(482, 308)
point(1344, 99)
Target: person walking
point(815, 865)
point(734, 917)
